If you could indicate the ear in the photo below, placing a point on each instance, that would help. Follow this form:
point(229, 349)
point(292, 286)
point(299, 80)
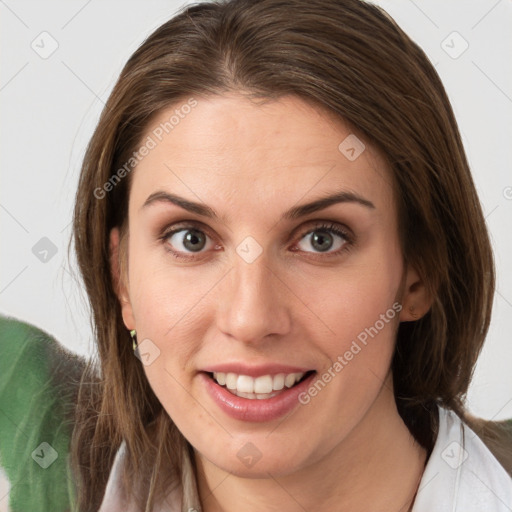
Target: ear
point(416, 300)
point(119, 280)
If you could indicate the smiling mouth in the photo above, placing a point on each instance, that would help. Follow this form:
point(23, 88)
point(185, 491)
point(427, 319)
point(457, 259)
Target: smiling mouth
point(258, 388)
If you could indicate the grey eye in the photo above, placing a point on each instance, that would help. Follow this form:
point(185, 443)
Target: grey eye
point(194, 240)
point(322, 240)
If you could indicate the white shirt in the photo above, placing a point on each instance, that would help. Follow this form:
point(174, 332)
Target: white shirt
point(461, 475)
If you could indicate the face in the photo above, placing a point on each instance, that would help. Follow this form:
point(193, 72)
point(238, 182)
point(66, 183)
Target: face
point(243, 281)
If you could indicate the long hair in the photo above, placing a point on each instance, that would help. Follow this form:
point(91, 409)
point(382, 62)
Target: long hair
point(351, 59)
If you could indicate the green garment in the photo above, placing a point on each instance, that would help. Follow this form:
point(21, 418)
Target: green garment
point(38, 385)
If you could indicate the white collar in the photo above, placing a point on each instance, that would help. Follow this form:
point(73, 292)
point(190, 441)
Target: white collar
point(115, 499)
point(462, 474)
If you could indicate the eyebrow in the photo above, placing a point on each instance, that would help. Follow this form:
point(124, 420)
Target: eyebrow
point(291, 214)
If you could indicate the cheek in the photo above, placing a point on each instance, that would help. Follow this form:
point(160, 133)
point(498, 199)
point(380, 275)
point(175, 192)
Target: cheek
point(166, 309)
point(359, 305)
point(172, 324)
point(176, 393)
point(359, 297)
point(166, 298)
point(358, 355)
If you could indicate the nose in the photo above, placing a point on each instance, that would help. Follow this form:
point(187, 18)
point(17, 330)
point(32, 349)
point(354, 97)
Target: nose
point(254, 302)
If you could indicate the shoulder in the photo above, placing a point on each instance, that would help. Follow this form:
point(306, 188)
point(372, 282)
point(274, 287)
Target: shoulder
point(497, 436)
point(462, 473)
point(118, 499)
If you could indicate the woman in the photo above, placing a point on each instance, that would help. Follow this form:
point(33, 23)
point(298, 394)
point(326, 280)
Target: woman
point(275, 213)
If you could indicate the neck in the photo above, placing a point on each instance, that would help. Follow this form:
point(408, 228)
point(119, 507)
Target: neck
point(377, 467)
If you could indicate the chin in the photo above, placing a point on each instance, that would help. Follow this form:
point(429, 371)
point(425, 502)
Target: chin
point(256, 457)
point(275, 466)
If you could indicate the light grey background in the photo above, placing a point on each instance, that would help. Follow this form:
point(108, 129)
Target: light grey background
point(50, 106)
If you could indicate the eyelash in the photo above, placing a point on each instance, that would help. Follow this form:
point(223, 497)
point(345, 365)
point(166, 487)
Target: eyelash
point(330, 227)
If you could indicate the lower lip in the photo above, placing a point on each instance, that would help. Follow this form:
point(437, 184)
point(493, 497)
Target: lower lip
point(256, 410)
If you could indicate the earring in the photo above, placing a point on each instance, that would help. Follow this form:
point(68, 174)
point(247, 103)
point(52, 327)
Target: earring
point(133, 334)
point(411, 311)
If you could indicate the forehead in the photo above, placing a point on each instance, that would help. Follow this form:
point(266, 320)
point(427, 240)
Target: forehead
point(229, 150)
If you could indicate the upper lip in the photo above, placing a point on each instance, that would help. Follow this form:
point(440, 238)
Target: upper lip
point(256, 370)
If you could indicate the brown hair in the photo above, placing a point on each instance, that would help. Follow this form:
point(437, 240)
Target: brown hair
point(350, 58)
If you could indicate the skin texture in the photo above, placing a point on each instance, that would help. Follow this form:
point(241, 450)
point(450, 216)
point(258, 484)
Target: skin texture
point(348, 449)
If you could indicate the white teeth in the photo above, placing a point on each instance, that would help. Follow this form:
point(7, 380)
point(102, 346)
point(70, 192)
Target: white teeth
point(278, 383)
point(256, 388)
point(263, 384)
point(257, 396)
point(245, 384)
point(220, 378)
point(231, 379)
point(289, 380)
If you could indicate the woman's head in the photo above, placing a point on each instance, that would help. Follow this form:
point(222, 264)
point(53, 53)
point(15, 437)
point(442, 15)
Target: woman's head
point(255, 109)
point(249, 288)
